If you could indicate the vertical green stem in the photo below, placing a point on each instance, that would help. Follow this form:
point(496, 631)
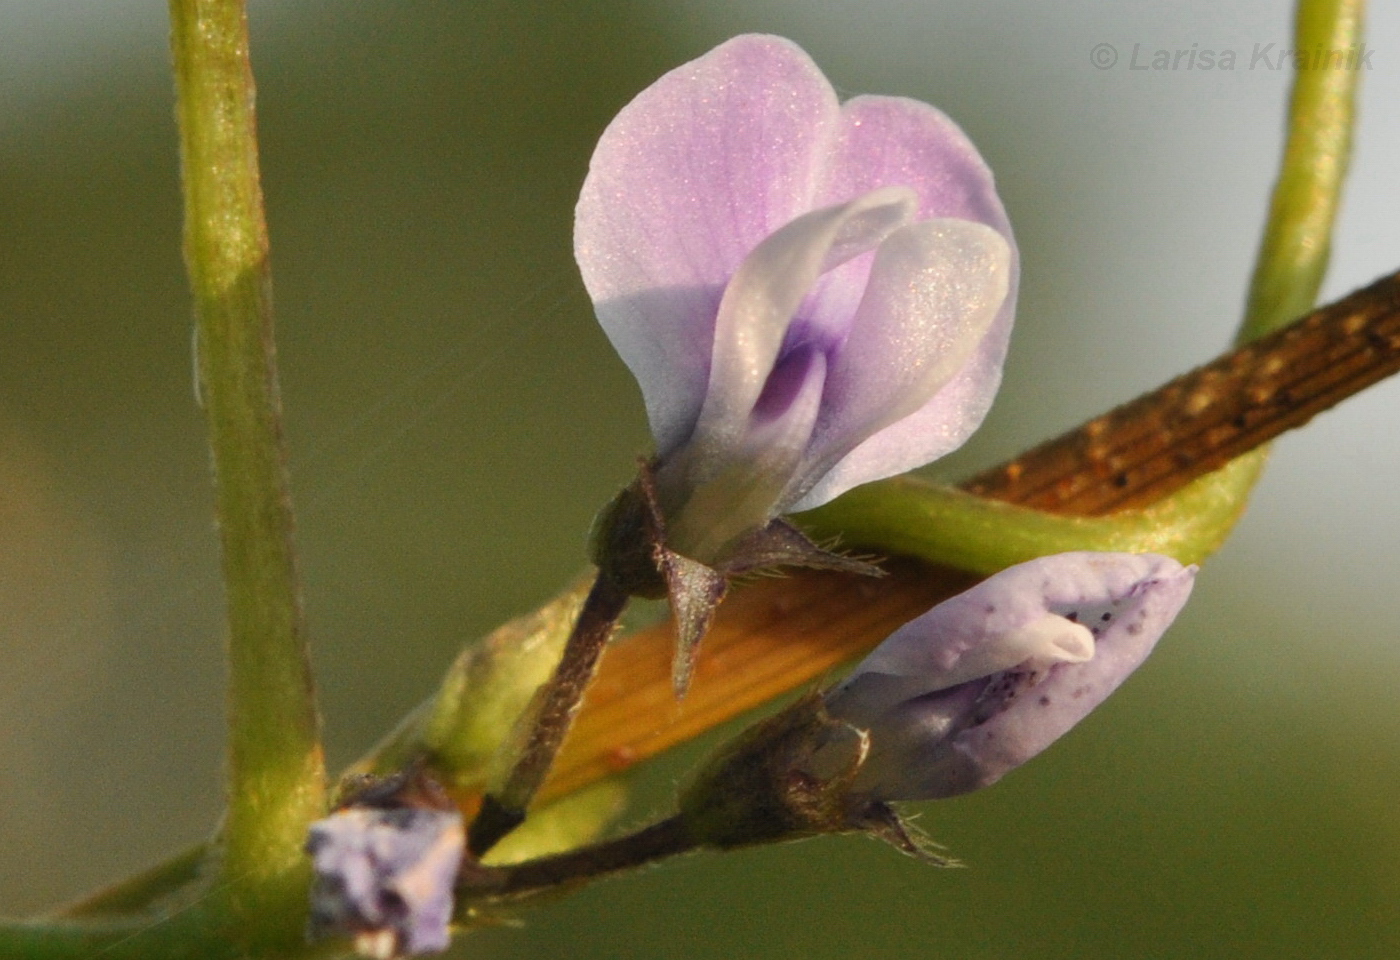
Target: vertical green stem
point(1298, 237)
point(1297, 240)
point(276, 773)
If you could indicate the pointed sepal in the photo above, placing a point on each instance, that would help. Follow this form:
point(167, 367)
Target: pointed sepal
point(780, 544)
point(883, 822)
point(695, 591)
point(631, 549)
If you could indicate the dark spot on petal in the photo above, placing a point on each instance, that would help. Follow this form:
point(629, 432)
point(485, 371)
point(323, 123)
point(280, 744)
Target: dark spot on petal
point(789, 374)
point(1134, 629)
point(1045, 701)
point(991, 608)
point(392, 904)
point(1106, 617)
point(400, 819)
point(1072, 616)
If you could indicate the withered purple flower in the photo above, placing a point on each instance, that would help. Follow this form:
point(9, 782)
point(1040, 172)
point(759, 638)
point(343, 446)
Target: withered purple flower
point(385, 876)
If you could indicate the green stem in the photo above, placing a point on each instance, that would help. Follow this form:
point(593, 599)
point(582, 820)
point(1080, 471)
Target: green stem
point(1297, 237)
point(1321, 113)
point(276, 772)
point(1297, 240)
point(910, 516)
point(140, 892)
point(118, 940)
point(193, 934)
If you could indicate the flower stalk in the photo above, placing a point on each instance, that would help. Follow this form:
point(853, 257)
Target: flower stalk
point(659, 841)
point(550, 715)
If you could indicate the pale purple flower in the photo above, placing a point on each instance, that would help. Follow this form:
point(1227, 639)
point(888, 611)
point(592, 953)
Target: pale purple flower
point(812, 295)
point(983, 682)
point(385, 877)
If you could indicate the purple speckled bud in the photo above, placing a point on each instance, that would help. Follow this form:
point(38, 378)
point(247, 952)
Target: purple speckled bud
point(385, 877)
point(985, 681)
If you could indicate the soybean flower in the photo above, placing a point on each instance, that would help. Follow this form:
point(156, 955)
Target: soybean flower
point(811, 295)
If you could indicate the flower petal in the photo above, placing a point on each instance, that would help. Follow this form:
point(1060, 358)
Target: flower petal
point(893, 140)
point(935, 289)
point(739, 467)
point(685, 182)
point(930, 646)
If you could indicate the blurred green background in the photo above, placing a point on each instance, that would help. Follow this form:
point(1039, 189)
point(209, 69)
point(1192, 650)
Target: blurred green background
point(455, 417)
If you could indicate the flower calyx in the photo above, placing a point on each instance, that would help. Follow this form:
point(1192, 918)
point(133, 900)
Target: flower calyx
point(630, 548)
point(760, 788)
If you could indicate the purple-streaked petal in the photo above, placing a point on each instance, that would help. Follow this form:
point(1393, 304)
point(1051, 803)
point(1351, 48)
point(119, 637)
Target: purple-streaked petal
point(936, 733)
point(756, 309)
point(763, 297)
point(753, 435)
point(686, 181)
point(385, 877)
point(937, 428)
point(740, 485)
point(887, 140)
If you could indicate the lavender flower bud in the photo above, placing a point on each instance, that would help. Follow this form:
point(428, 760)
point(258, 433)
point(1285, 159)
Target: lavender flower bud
point(983, 682)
